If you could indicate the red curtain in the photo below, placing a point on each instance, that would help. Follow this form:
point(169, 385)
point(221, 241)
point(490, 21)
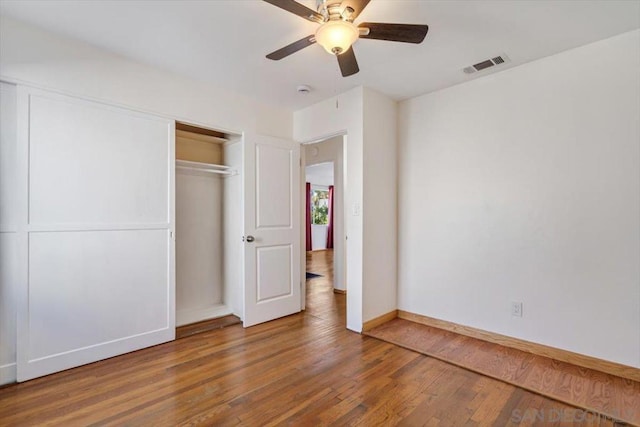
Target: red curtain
point(330, 228)
point(308, 227)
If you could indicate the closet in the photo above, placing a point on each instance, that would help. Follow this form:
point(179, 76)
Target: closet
point(208, 228)
point(118, 225)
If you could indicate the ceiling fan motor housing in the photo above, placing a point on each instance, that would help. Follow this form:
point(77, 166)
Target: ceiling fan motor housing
point(332, 10)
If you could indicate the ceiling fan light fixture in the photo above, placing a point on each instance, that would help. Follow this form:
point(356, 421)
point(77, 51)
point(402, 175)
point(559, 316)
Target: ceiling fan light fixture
point(337, 36)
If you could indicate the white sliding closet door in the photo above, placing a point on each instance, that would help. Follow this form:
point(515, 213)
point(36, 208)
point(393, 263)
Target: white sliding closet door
point(8, 233)
point(96, 274)
point(272, 228)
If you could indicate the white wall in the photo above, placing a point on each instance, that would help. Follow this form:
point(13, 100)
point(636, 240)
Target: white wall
point(524, 186)
point(332, 150)
point(318, 237)
point(380, 201)
point(320, 174)
point(345, 114)
point(34, 56)
point(199, 245)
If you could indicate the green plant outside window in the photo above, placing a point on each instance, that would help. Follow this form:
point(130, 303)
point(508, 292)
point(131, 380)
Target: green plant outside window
point(320, 207)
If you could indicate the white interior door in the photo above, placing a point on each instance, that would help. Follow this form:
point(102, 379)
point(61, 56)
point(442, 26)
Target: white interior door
point(95, 232)
point(271, 228)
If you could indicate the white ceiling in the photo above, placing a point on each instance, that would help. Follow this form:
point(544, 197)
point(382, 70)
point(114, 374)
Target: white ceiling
point(225, 42)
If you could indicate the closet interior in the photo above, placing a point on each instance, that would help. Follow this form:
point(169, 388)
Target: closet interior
point(208, 224)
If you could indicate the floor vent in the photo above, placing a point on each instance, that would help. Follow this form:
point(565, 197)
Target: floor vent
point(501, 59)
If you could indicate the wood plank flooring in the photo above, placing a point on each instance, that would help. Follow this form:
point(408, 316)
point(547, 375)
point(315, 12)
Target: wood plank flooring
point(593, 390)
point(305, 369)
point(206, 325)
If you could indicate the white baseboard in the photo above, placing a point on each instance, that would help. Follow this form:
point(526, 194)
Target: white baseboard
point(8, 374)
point(186, 317)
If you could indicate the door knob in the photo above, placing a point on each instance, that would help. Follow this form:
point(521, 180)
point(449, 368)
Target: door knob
point(250, 239)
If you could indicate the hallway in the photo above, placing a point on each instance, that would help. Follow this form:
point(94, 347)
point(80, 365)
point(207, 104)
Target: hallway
point(322, 302)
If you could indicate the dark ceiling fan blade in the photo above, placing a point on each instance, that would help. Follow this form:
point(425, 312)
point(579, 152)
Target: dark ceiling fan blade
point(292, 48)
point(407, 33)
point(356, 5)
point(297, 9)
point(348, 63)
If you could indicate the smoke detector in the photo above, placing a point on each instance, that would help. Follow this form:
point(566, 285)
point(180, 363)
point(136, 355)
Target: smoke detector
point(487, 63)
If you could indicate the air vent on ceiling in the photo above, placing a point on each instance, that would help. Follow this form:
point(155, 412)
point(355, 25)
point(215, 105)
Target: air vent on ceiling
point(483, 65)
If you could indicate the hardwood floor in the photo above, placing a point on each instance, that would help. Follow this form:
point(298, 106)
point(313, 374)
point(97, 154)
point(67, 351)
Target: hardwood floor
point(206, 325)
point(596, 391)
point(305, 369)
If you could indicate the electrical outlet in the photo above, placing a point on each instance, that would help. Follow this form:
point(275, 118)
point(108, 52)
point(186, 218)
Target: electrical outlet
point(516, 309)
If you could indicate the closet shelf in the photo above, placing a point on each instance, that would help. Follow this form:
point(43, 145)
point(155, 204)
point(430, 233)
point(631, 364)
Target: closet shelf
point(206, 167)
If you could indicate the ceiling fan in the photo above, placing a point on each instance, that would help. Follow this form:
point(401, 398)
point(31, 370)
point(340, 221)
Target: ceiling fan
point(337, 32)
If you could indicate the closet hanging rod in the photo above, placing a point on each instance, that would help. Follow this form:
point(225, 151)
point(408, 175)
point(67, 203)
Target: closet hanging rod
point(201, 165)
point(216, 171)
point(205, 167)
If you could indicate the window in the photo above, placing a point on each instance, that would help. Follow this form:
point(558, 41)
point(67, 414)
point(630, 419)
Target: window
point(319, 207)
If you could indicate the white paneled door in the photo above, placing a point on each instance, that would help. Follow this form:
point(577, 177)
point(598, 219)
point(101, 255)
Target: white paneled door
point(272, 228)
point(95, 223)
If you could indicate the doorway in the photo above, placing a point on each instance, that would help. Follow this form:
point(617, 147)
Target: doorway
point(324, 219)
